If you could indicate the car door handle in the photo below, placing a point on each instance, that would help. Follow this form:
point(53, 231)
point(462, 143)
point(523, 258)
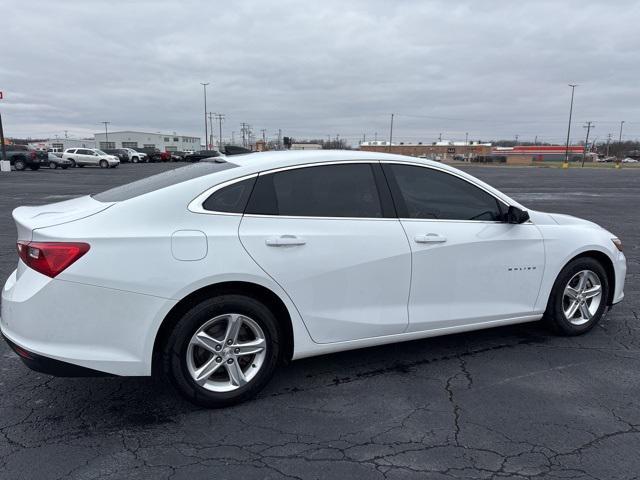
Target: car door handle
point(430, 238)
point(284, 241)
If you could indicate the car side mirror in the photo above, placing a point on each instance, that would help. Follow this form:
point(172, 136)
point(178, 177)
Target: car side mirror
point(516, 215)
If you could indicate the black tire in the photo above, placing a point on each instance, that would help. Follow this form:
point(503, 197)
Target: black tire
point(53, 165)
point(34, 167)
point(555, 314)
point(73, 163)
point(104, 164)
point(20, 164)
point(134, 160)
point(174, 355)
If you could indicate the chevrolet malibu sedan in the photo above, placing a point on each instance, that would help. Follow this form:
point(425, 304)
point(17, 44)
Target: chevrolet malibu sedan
point(214, 274)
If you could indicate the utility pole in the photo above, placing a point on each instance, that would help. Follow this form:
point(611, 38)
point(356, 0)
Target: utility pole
point(535, 140)
point(390, 134)
point(566, 152)
point(206, 131)
point(517, 136)
point(106, 134)
point(210, 131)
point(243, 129)
point(264, 135)
point(233, 137)
point(440, 137)
point(608, 142)
point(588, 126)
point(375, 137)
point(2, 145)
point(220, 118)
point(466, 138)
point(65, 134)
point(279, 139)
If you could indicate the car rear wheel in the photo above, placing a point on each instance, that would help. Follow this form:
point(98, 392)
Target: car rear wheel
point(20, 164)
point(73, 163)
point(223, 351)
point(134, 160)
point(53, 165)
point(104, 164)
point(579, 297)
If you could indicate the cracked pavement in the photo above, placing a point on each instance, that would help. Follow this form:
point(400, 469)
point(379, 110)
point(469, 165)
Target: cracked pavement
point(512, 402)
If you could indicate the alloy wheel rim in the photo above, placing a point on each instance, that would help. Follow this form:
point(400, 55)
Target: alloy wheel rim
point(582, 297)
point(226, 352)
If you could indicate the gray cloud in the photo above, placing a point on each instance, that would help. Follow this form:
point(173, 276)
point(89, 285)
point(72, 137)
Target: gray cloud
point(495, 69)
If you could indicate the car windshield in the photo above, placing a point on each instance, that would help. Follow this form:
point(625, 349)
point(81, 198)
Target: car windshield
point(99, 152)
point(161, 180)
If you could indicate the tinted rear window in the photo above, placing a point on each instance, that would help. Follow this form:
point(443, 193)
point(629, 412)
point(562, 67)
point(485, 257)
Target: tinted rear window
point(161, 180)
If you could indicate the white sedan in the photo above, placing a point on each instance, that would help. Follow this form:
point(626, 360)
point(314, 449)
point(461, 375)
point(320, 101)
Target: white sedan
point(215, 273)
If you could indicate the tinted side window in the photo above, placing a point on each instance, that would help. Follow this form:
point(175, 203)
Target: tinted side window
point(230, 199)
point(426, 193)
point(347, 190)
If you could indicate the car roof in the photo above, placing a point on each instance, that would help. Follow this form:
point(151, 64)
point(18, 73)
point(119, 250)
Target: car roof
point(262, 161)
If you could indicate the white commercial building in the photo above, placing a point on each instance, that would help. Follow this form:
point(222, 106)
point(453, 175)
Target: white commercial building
point(61, 144)
point(164, 142)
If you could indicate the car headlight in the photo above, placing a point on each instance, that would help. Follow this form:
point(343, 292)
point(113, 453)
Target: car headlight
point(617, 242)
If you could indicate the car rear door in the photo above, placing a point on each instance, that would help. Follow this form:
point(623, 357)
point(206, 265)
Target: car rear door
point(469, 266)
point(329, 236)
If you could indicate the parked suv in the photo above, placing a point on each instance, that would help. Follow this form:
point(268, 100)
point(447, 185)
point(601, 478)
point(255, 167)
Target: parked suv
point(136, 156)
point(21, 157)
point(90, 156)
point(121, 153)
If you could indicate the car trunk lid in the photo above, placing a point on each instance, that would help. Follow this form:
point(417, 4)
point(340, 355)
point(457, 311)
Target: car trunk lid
point(28, 219)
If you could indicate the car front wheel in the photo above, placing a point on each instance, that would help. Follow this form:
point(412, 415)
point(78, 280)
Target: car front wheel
point(53, 165)
point(579, 297)
point(223, 351)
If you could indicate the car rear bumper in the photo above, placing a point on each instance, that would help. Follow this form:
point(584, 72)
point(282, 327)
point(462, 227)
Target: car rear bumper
point(51, 366)
point(97, 328)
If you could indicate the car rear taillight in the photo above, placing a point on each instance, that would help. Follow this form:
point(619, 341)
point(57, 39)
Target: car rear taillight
point(51, 258)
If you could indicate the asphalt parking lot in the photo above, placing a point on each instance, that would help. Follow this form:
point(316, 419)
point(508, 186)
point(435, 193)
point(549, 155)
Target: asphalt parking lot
point(511, 402)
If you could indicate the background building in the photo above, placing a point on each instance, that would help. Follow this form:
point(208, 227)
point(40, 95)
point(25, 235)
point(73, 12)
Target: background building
point(63, 143)
point(435, 150)
point(528, 154)
point(163, 141)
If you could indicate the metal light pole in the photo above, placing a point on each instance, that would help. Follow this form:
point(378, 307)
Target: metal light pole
point(206, 130)
point(620, 145)
point(390, 134)
point(566, 152)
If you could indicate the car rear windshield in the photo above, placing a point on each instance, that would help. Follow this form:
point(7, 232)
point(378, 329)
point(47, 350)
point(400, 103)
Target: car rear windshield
point(161, 180)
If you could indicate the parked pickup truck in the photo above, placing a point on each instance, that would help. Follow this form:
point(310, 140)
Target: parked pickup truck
point(22, 157)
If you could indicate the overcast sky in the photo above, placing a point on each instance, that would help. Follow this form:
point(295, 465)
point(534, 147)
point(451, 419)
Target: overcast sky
point(495, 69)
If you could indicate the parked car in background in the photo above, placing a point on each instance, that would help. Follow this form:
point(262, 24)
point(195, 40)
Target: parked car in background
point(629, 160)
point(121, 153)
point(80, 157)
point(177, 156)
point(136, 156)
point(201, 155)
point(54, 161)
point(155, 155)
point(21, 157)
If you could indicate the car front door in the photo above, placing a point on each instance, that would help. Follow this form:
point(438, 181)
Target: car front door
point(469, 265)
point(329, 236)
